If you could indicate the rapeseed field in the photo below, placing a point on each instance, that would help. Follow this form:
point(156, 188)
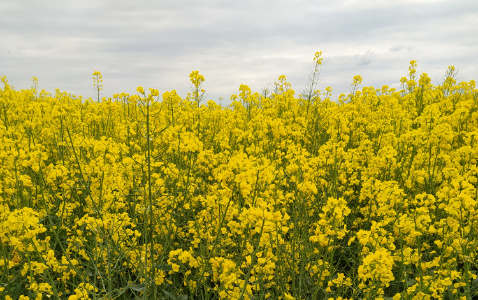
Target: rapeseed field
point(279, 195)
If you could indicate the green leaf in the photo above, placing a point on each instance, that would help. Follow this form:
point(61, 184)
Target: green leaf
point(137, 287)
point(171, 296)
point(410, 282)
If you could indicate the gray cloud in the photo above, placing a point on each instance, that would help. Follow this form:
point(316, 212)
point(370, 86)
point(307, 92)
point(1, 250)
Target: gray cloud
point(158, 43)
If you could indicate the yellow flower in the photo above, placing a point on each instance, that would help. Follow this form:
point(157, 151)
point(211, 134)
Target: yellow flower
point(154, 92)
point(196, 78)
point(288, 296)
point(318, 58)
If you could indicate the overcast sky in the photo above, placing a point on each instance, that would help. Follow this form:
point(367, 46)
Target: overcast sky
point(156, 44)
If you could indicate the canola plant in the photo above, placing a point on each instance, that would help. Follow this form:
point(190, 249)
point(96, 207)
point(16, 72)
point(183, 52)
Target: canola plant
point(277, 196)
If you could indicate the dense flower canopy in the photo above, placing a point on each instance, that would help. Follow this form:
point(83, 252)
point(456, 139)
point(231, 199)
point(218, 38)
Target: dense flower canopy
point(278, 195)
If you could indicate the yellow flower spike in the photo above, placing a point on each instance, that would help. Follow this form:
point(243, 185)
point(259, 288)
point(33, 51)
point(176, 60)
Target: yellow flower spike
point(97, 83)
point(154, 92)
point(196, 78)
point(35, 82)
point(357, 80)
point(140, 90)
point(97, 77)
point(413, 67)
point(318, 58)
